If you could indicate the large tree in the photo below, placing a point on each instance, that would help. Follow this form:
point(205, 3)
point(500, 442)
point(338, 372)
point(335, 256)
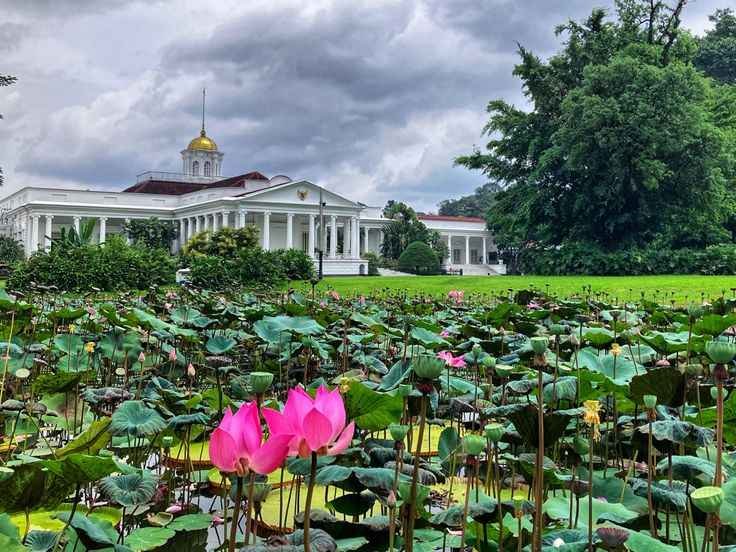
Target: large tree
point(717, 55)
point(5, 80)
point(473, 205)
point(405, 228)
point(620, 146)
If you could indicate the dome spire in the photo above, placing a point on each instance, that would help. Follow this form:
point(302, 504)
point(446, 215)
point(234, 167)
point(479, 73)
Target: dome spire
point(204, 94)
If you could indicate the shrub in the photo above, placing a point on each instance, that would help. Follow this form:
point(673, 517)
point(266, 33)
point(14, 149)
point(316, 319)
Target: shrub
point(114, 265)
point(296, 264)
point(374, 261)
point(251, 267)
point(583, 258)
point(10, 250)
point(152, 232)
point(226, 242)
point(418, 258)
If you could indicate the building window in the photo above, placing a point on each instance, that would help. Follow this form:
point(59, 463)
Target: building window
point(195, 168)
point(207, 168)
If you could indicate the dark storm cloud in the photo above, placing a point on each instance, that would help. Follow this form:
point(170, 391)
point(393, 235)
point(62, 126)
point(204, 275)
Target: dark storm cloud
point(374, 101)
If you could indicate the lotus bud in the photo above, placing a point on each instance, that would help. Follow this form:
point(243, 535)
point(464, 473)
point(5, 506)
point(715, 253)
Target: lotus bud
point(404, 390)
point(518, 505)
point(580, 445)
point(172, 355)
point(391, 499)
point(707, 499)
point(489, 362)
point(167, 441)
point(494, 432)
point(720, 352)
point(650, 401)
point(260, 382)
point(398, 431)
point(428, 367)
point(473, 445)
point(141, 357)
point(539, 345)
point(191, 372)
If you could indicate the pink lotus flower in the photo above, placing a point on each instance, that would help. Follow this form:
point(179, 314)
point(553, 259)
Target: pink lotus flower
point(457, 295)
point(450, 360)
point(313, 425)
point(172, 355)
point(333, 295)
point(444, 333)
point(236, 445)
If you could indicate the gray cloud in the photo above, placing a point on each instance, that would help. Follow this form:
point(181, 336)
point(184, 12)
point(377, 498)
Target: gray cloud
point(372, 99)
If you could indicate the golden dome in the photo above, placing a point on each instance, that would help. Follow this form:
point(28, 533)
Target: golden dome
point(202, 142)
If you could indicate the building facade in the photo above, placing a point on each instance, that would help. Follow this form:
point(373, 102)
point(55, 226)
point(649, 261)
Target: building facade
point(288, 214)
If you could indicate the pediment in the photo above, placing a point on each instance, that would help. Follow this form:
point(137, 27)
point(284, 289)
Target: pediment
point(299, 193)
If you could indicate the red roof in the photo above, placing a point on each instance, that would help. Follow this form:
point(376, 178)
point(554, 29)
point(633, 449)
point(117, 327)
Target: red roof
point(168, 187)
point(450, 218)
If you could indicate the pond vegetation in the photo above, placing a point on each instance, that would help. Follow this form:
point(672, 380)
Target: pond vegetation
point(195, 420)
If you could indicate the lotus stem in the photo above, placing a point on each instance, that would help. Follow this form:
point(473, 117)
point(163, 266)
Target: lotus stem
point(236, 513)
point(308, 505)
point(469, 477)
point(719, 434)
point(409, 532)
point(251, 485)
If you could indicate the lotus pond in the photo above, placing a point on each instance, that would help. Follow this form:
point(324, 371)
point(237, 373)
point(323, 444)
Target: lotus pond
point(195, 420)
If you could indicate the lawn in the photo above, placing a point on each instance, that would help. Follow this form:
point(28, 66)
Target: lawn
point(682, 288)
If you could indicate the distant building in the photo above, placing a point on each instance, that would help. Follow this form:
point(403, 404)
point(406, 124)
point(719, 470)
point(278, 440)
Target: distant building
point(286, 212)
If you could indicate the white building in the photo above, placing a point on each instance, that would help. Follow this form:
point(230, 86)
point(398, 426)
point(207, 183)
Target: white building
point(287, 213)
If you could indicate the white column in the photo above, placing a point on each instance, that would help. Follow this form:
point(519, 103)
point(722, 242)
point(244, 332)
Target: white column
point(356, 235)
point(346, 231)
point(365, 237)
point(485, 252)
point(467, 249)
point(225, 218)
point(333, 236)
point(127, 237)
point(182, 234)
point(77, 221)
point(310, 241)
point(241, 218)
point(289, 230)
point(34, 232)
point(380, 241)
point(450, 259)
point(48, 232)
point(197, 224)
point(267, 230)
point(103, 229)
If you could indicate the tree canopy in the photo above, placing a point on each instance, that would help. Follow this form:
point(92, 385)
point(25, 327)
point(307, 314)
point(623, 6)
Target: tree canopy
point(717, 55)
point(626, 142)
point(405, 228)
point(473, 205)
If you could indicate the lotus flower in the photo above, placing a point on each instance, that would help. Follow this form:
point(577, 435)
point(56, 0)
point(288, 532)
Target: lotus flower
point(457, 295)
point(236, 445)
point(450, 360)
point(312, 425)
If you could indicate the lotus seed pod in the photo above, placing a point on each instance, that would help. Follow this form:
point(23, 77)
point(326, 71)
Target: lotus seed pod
point(167, 441)
point(404, 390)
point(650, 401)
point(557, 329)
point(473, 445)
point(714, 392)
point(694, 369)
point(260, 382)
point(398, 431)
point(539, 345)
point(503, 370)
point(707, 499)
point(720, 352)
point(494, 432)
point(428, 367)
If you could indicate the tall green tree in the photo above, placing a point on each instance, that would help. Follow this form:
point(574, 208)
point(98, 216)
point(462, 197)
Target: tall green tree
point(405, 228)
point(473, 205)
point(620, 147)
point(5, 80)
point(717, 55)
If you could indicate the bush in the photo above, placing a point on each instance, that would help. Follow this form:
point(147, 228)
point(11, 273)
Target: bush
point(582, 258)
point(152, 232)
point(418, 258)
point(296, 264)
point(226, 242)
point(10, 250)
point(113, 266)
point(251, 267)
point(374, 261)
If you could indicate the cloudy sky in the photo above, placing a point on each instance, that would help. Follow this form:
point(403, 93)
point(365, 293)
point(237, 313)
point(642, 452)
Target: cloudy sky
point(371, 98)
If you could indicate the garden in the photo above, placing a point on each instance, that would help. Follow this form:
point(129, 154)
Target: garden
point(186, 419)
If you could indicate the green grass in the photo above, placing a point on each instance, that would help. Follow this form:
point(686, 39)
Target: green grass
point(683, 288)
